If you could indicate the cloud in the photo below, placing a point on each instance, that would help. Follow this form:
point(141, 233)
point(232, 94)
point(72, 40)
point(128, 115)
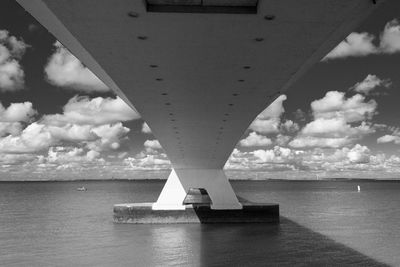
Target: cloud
point(239, 160)
point(16, 159)
point(282, 140)
point(37, 137)
point(63, 155)
point(312, 141)
point(64, 70)
point(109, 136)
point(362, 44)
point(369, 84)
point(148, 162)
point(145, 128)
point(335, 105)
point(280, 159)
point(390, 38)
point(151, 158)
point(330, 133)
point(334, 121)
point(153, 144)
point(11, 117)
point(91, 123)
point(268, 121)
point(276, 155)
point(300, 115)
point(17, 112)
point(357, 157)
point(276, 159)
point(254, 139)
point(96, 111)
point(71, 132)
point(13, 128)
point(335, 128)
point(388, 139)
point(11, 73)
point(289, 126)
point(358, 154)
point(32, 139)
point(355, 45)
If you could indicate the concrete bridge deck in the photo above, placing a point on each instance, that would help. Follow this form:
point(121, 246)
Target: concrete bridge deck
point(199, 72)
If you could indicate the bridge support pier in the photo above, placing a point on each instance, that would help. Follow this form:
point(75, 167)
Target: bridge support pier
point(181, 180)
point(224, 208)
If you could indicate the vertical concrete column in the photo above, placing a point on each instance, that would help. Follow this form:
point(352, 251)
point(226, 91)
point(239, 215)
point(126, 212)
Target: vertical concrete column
point(213, 180)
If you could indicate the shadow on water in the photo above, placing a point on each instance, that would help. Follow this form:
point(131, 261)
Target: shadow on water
point(286, 244)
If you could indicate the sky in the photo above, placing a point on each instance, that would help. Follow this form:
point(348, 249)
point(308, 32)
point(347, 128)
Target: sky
point(59, 121)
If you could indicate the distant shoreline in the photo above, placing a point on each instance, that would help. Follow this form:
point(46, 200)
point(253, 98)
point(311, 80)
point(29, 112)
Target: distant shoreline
point(231, 180)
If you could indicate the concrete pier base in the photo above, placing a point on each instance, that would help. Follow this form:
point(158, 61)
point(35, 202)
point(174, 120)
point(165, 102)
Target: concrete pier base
point(143, 213)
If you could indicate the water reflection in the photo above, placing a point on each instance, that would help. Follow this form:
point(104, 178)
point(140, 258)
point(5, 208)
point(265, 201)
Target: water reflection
point(51, 224)
point(175, 245)
point(287, 244)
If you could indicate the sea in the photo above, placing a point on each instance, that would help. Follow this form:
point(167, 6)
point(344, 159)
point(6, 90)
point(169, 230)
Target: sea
point(323, 223)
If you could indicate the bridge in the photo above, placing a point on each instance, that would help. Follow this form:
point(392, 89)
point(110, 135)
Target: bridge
point(199, 71)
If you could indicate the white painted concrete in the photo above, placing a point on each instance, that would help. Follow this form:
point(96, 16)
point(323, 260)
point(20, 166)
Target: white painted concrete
point(213, 180)
point(199, 99)
point(172, 195)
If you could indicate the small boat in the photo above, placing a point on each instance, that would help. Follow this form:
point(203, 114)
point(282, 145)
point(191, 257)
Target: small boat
point(358, 188)
point(81, 189)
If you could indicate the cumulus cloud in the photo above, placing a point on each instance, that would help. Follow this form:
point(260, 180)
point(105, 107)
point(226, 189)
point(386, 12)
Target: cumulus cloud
point(268, 121)
point(254, 139)
point(37, 137)
point(96, 111)
point(289, 126)
point(332, 133)
point(239, 160)
point(17, 112)
point(355, 45)
point(65, 70)
point(358, 154)
point(16, 159)
point(388, 139)
point(109, 136)
point(32, 139)
point(11, 73)
point(282, 140)
point(12, 116)
point(390, 37)
point(276, 159)
point(357, 157)
point(153, 144)
point(91, 123)
point(12, 128)
point(362, 44)
point(334, 119)
point(148, 162)
point(277, 154)
point(346, 158)
point(62, 155)
point(312, 141)
point(145, 128)
point(335, 105)
point(370, 83)
point(335, 128)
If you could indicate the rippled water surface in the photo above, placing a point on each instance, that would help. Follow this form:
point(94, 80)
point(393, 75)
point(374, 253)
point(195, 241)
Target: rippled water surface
point(323, 223)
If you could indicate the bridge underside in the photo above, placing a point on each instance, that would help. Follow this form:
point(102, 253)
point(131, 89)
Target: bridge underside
point(199, 74)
